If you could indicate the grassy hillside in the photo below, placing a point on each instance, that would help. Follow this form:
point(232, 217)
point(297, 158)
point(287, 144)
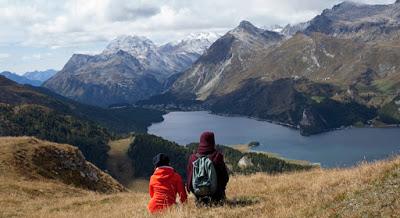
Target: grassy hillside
point(24, 159)
point(369, 190)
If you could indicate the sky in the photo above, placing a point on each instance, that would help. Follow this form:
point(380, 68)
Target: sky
point(43, 34)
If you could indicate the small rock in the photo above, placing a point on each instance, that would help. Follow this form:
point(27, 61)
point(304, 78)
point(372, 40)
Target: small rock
point(245, 162)
point(82, 174)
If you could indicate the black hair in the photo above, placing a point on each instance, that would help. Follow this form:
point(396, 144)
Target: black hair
point(160, 160)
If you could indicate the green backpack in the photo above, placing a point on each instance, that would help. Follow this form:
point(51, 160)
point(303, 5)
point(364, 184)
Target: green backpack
point(204, 177)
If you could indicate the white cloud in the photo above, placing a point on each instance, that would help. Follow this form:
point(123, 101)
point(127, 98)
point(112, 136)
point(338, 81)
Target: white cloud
point(36, 56)
point(55, 24)
point(4, 55)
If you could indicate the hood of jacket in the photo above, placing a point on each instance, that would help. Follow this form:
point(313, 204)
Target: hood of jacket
point(164, 172)
point(207, 143)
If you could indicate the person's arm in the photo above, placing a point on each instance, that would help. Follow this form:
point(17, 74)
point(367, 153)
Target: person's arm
point(151, 189)
point(180, 186)
point(189, 171)
point(224, 175)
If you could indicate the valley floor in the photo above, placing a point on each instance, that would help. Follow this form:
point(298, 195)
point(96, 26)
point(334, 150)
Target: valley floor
point(371, 190)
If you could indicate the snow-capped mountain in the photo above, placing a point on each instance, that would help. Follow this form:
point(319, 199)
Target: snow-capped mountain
point(144, 50)
point(182, 54)
point(130, 68)
point(195, 43)
point(167, 59)
point(137, 46)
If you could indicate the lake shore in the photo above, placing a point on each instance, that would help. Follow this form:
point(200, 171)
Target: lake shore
point(244, 148)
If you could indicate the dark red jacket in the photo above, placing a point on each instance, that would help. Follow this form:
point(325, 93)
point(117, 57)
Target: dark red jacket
point(207, 147)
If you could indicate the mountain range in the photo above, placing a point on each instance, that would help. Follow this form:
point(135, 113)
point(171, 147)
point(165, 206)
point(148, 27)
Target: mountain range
point(339, 69)
point(41, 76)
point(34, 78)
point(129, 69)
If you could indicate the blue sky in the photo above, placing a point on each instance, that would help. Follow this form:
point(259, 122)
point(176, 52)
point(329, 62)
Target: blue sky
point(43, 34)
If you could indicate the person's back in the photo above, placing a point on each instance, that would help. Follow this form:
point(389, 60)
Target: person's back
point(165, 184)
point(207, 149)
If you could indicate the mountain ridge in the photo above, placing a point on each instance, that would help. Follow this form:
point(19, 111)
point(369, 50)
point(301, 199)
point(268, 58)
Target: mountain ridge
point(34, 78)
point(130, 68)
point(20, 79)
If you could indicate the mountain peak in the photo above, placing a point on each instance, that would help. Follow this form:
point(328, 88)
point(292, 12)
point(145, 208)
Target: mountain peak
point(246, 26)
point(135, 45)
point(131, 38)
point(347, 4)
point(195, 43)
point(210, 36)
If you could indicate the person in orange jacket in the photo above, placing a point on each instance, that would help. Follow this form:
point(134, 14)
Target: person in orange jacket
point(165, 183)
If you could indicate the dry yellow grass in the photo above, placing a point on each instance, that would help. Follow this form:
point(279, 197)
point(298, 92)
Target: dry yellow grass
point(370, 190)
point(31, 159)
point(119, 164)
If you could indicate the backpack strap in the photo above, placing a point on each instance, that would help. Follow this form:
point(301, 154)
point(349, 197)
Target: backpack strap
point(199, 155)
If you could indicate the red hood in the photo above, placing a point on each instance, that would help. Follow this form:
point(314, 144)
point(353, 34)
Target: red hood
point(164, 172)
point(207, 143)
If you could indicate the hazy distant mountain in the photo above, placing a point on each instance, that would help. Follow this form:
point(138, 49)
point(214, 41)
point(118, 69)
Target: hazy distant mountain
point(20, 79)
point(130, 68)
point(35, 78)
point(40, 75)
point(341, 68)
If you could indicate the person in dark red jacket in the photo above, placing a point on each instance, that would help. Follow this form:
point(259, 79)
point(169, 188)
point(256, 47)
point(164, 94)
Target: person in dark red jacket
point(165, 184)
point(207, 147)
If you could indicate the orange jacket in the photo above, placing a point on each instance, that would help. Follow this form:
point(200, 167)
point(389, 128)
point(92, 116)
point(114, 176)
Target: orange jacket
point(165, 183)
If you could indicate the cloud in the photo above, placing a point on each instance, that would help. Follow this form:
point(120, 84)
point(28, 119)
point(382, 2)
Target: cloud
point(36, 56)
point(4, 55)
point(125, 10)
point(71, 23)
